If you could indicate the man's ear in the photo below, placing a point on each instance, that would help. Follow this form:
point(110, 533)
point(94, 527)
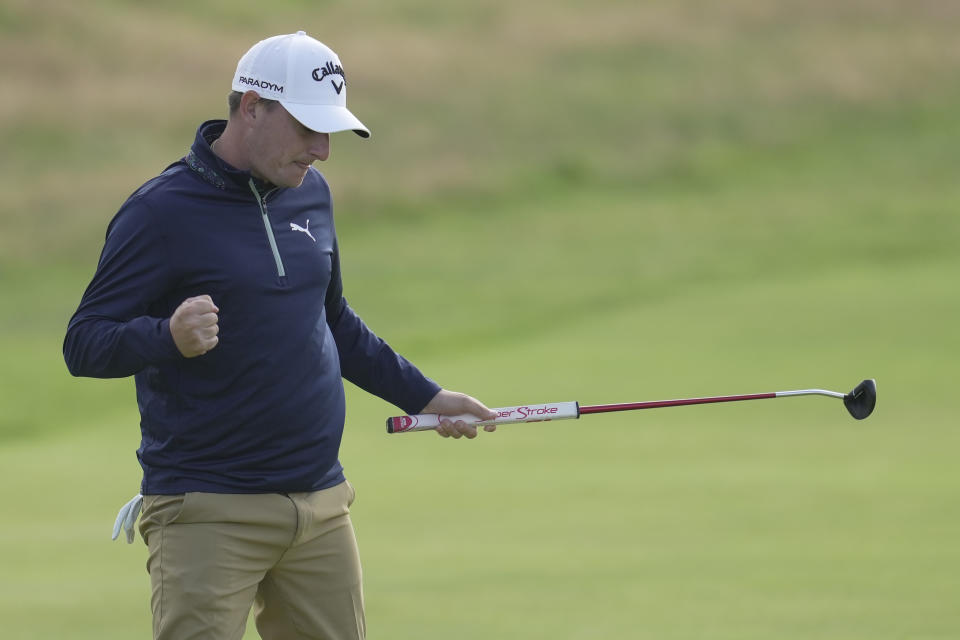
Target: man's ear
point(248, 106)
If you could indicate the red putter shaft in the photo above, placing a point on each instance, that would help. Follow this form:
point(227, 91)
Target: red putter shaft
point(653, 404)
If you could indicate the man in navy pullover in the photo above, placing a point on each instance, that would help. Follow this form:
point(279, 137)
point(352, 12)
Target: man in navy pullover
point(219, 290)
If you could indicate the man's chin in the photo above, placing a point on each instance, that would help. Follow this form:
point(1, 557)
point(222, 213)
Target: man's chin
point(290, 182)
point(297, 179)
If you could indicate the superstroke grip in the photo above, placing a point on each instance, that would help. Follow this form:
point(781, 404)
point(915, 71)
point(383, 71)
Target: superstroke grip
point(505, 415)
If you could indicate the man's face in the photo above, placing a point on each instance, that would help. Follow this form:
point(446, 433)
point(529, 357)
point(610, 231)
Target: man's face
point(281, 149)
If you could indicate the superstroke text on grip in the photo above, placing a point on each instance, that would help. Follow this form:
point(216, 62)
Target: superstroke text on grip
point(505, 415)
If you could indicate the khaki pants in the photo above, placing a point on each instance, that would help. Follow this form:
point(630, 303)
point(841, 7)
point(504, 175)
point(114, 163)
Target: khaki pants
point(293, 557)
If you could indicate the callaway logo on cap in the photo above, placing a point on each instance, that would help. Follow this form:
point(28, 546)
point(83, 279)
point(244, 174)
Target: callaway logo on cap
point(305, 76)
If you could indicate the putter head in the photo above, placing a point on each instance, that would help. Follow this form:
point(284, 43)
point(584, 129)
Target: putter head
point(861, 401)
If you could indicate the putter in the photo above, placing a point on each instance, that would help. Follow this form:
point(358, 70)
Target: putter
point(859, 403)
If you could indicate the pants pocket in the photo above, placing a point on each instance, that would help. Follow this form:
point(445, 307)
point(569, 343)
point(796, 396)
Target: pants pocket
point(160, 511)
point(351, 493)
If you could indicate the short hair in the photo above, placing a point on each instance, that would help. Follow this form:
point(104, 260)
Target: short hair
point(233, 101)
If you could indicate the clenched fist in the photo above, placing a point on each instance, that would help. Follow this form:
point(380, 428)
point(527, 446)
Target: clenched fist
point(194, 326)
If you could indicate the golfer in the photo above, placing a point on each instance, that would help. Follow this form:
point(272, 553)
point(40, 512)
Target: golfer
point(219, 290)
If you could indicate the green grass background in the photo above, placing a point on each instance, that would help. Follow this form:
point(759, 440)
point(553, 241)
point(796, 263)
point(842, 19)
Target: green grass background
point(597, 201)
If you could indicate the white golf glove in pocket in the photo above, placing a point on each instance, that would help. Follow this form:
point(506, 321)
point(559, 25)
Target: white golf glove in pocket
point(127, 518)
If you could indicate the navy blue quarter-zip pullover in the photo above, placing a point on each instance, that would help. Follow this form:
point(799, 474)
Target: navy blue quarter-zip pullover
point(264, 410)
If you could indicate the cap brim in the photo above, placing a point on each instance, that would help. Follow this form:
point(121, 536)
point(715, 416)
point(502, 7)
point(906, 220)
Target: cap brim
point(326, 118)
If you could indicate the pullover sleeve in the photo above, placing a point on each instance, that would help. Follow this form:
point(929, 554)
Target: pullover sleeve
point(112, 333)
point(369, 362)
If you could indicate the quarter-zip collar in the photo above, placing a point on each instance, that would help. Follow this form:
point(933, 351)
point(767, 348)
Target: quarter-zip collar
point(222, 175)
point(209, 166)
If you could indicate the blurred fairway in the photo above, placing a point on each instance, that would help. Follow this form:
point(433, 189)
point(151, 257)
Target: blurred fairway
point(603, 202)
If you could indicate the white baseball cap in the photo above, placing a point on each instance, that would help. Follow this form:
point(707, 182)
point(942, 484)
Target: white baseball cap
point(305, 76)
